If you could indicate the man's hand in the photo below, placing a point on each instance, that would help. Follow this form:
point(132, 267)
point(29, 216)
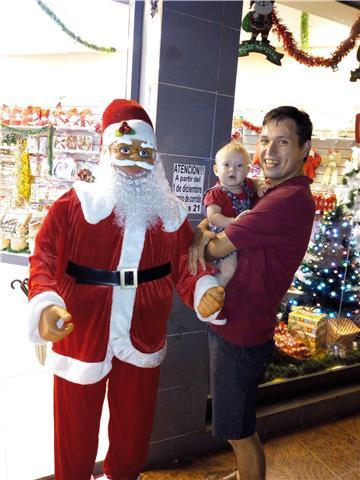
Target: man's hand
point(202, 237)
point(211, 301)
point(242, 214)
point(48, 327)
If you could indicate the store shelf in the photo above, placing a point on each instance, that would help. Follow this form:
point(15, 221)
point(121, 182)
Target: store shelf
point(14, 258)
point(77, 129)
point(77, 152)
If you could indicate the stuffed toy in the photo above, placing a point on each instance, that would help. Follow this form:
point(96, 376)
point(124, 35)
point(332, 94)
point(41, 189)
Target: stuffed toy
point(331, 162)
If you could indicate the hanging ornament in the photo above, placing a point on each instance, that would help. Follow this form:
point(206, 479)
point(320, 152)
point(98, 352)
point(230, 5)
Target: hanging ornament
point(154, 7)
point(304, 30)
point(251, 126)
point(259, 22)
point(24, 178)
point(355, 74)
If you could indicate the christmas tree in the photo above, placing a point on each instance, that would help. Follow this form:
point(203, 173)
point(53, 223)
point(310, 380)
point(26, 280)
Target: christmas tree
point(329, 275)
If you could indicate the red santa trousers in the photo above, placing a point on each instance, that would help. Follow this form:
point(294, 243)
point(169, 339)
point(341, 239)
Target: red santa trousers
point(132, 395)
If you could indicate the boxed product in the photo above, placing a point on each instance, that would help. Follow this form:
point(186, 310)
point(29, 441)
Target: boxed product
point(342, 331)
point(289, 344)
point(60, 142)
point(84, 142)
point(313, 324)
point(64, 168)
point(71, 142)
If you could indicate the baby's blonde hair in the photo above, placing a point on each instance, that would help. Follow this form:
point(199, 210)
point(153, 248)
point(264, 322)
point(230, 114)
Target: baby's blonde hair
point(234, 147)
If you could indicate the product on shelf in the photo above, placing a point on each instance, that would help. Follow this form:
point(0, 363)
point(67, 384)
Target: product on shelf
point(4, 242)
point(18, 243)
point(71, 142)
point(34, 227)
point(14, 229)
point(289, 343)
point(324, 201)
point(38, 165)
point(64, 168)
point(341, 331)
point(312, 324)
point(84, 142)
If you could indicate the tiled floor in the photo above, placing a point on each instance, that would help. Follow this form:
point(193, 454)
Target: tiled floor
point(327, 452)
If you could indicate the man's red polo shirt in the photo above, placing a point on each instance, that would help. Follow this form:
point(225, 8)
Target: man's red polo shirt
point(271, 241)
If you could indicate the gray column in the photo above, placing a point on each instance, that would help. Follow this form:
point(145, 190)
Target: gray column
point(195, 99)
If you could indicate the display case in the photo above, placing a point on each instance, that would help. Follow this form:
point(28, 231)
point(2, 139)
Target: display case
point(38, 163)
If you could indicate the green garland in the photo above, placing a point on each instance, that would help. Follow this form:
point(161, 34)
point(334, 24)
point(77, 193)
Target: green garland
point(304, 30)
point(284, 369)
point(21, 132)
point(71, 34)
point(10, 250)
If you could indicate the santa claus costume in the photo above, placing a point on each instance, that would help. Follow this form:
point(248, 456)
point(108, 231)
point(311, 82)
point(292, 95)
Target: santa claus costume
point(112, 263)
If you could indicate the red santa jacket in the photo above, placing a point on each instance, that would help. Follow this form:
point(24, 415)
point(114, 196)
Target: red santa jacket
point(127, 323)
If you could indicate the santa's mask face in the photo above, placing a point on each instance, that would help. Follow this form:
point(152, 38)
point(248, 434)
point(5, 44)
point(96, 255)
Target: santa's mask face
point(132, 158)
point(263, 8)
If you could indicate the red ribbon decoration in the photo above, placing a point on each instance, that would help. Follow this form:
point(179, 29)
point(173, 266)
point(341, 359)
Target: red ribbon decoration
point(291, 47)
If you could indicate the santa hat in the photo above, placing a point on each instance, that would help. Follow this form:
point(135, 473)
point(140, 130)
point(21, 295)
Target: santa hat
point(124, 121)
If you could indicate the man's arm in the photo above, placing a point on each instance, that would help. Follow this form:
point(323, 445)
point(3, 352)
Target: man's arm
point(219, 247)
point(207, 246)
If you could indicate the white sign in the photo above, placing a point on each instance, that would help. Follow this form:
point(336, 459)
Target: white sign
point(188, 185)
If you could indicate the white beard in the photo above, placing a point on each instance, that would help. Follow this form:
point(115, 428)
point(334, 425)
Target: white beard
point(143, 198)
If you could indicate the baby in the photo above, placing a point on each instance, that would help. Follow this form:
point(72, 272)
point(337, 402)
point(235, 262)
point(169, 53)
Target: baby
point(233, 195)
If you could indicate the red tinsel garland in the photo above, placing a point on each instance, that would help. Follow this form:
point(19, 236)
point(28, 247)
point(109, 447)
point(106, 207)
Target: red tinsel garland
point(291, 47)
point(250, 126)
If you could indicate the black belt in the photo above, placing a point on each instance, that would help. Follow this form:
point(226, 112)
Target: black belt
point(125, 277)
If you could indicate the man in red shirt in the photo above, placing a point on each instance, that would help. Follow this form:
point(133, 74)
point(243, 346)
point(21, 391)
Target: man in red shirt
point(271, 241)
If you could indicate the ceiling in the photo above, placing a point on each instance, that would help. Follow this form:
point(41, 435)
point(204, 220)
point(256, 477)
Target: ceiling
point(341, 12)
point(32, 32)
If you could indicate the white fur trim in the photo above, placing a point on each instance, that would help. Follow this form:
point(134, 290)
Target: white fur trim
point(202, 285)
point(143, 131)
point(178, 219)
point(76, 371)
point(35, 307)
point(123, 304)
point(95, 204)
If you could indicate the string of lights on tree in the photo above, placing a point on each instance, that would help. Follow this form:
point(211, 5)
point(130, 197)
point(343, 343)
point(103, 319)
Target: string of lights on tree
point(329, 276)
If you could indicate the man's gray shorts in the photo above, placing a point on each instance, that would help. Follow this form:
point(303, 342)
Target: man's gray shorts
point(235, 373)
